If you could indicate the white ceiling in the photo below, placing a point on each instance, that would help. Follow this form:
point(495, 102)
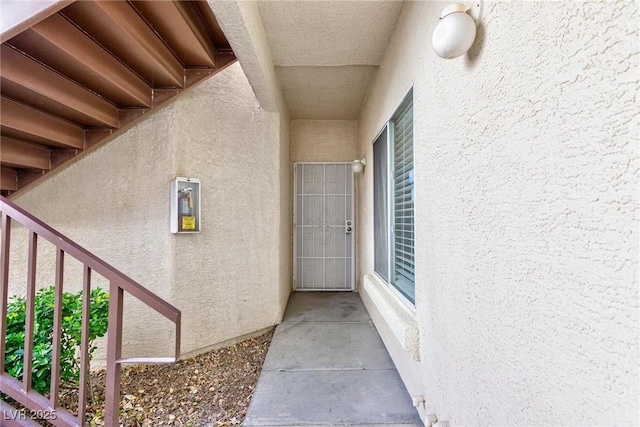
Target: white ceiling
point(326, 52)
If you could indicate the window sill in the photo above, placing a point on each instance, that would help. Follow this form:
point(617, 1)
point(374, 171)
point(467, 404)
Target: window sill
point(400, 319)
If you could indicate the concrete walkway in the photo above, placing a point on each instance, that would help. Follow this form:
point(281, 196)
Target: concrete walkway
point(328, 366)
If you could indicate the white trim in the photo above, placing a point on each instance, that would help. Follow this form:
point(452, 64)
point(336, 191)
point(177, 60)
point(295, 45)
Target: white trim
point(389, 125)
point(399, 317)
point(405, 301)
point(404, 95)
point(390, 198)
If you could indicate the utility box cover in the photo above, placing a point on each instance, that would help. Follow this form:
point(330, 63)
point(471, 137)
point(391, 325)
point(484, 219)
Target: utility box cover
point(185, 205)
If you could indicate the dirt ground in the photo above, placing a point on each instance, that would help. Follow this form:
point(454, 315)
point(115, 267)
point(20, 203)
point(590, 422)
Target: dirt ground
point(212, 389)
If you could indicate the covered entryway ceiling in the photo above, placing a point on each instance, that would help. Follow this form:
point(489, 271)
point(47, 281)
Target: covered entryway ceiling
point(325, 53)
point(74, 74)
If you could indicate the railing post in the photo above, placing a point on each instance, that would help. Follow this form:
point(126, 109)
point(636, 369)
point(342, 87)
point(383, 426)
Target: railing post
point(57, 329)
point(118, 283)
point(84, 345)
point(4, 282)
point(178, 332)
point(29, 316)
point(114, 347)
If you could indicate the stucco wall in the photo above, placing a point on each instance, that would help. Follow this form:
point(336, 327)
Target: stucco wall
point(526, 175)
point(227, 277)
point(115, 202)
point(286, 212)
point(242, 24)
point(323, 140)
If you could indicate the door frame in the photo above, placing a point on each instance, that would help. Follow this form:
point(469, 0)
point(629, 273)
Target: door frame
point(352, 288)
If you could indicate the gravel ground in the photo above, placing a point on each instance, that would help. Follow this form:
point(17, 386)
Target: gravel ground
point(212, 389)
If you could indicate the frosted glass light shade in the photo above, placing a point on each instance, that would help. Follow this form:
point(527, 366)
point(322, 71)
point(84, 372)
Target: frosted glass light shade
point(358, 166)
point(455, 33)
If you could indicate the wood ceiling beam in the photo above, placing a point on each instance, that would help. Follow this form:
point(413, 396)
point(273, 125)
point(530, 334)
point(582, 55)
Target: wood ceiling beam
point(27, 176)
point(59, 44)
point(8, 179)
point(118, 27)
point(21, 154)
point(23, 122)
point(180, 26)
point(209, 19)
point(41, 85)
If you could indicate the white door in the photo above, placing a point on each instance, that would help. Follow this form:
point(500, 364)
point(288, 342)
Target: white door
point(323, 227)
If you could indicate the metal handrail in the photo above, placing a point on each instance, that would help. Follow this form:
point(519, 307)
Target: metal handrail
point(118, 284)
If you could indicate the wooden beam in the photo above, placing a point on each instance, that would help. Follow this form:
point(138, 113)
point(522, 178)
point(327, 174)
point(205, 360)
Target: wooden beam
point(8, 179)
point(45, 89)
point(27, 176)
point(14, 152)
point(207, 16)
point(23, 122)
point(119, 28)
point(59, 44)
point(61, 156)
point(180, 26)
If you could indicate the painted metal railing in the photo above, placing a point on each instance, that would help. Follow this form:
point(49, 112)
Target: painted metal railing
point(119, 283)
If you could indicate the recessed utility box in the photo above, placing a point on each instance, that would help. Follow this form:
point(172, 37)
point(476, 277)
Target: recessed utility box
point(185, 205)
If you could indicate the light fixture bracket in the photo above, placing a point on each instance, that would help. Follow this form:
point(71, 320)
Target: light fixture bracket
point(456, 7)
point(475, 10)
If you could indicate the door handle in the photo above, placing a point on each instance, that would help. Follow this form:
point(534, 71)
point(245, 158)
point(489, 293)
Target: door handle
point(348, 226)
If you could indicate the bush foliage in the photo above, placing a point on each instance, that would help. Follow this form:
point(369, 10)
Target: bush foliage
point(43, 335)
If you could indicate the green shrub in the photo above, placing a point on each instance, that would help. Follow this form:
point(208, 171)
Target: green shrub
point(43, 335)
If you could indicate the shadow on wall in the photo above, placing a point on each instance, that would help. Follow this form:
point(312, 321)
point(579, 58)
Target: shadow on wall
point(473, 55)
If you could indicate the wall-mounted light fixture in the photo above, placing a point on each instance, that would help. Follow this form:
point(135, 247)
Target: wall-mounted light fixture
point(358, 165)
point(456, 31)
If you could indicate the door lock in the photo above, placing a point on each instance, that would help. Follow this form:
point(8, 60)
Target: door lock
point(348, 226)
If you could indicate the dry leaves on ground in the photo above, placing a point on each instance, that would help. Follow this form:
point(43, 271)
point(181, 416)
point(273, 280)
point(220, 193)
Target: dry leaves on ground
point(212, 389)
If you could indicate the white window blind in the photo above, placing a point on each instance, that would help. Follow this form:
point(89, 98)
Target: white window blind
point(403, 200)
point(393, 201)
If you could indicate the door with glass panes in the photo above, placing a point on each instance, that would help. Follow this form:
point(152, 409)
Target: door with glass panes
point(323, 227)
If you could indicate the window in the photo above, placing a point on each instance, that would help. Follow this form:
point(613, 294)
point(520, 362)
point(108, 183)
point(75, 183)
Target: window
point(393, 201)
point(381, 206)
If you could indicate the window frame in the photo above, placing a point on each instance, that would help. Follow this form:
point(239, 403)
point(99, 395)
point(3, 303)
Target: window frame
point(389, 146)
point(387, 188)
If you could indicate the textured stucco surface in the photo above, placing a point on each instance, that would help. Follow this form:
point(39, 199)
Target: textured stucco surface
point(526, 172)
point(326, 52)
point(231, 279)
point(328, 33)
point(323, 140)
point(242, 25)
point(114, 202)
point(228, 277)
point(325, 93)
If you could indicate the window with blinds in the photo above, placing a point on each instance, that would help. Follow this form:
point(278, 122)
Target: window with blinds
point(393, 198)
point(403, 226)
point(381, 206)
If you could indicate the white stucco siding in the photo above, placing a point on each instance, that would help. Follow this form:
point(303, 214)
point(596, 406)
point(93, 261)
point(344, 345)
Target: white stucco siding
point(115, 202)
point(323, 140)
point(227, 276)
point(526, 159)
point(243, 27)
